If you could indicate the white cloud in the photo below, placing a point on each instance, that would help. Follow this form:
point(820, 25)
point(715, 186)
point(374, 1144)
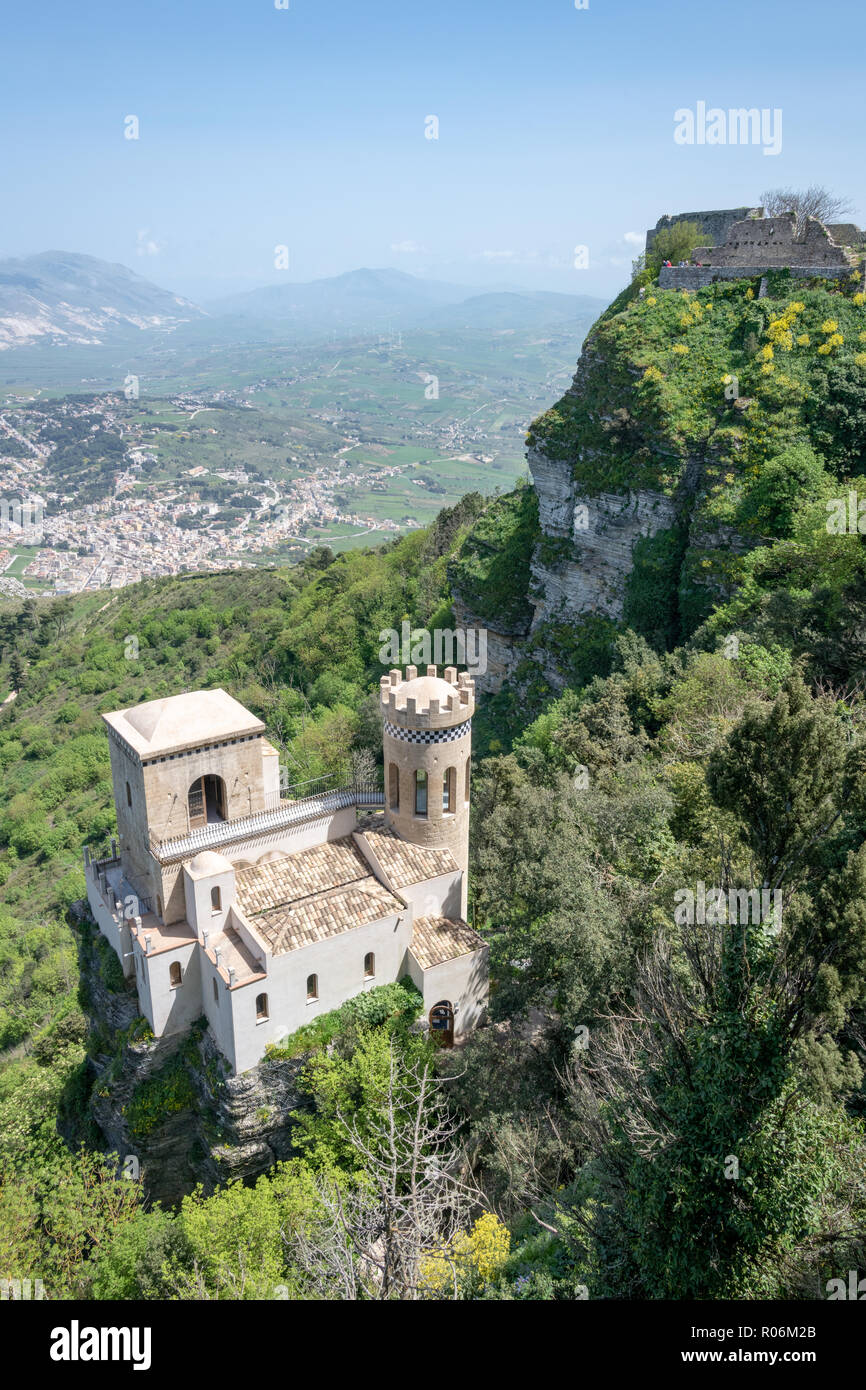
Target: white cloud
point(408, 248)
point(146, 245)
point(635, 239)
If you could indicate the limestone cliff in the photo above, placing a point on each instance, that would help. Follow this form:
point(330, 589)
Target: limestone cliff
point(645, 473)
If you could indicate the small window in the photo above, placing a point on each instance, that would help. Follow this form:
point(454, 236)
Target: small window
point(216, 900)
point(261, 1006)
point(312, 987)
point(448, 782)
point(216, 993)
point(369, 966)
point(128, 795)
point(174, 974)
point(420, 792)
point(394, 787)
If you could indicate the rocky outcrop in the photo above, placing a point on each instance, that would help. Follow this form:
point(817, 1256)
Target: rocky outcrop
point(604, 530)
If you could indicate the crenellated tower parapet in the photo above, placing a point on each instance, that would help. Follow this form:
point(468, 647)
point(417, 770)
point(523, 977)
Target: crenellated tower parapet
point(427, 741)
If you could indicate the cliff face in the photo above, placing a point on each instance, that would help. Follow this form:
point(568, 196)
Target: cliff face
point(647, 474)
point(169, 1102)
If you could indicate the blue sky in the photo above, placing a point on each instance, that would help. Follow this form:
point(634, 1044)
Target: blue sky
point(306, 128)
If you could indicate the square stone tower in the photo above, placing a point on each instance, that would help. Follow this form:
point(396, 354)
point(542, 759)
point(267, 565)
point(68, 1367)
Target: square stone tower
point(177, 764)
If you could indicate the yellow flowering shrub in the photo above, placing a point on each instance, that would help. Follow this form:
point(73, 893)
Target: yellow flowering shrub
point(484, 1249)
point(860, 359)
point(680, 349)
point(768, 368)
point(804, 340)
point(767, 353)
point(824, 349)
point(836, 340)
point(859, 298)
point(652, 374)
point(651, 299)
point(829, 326)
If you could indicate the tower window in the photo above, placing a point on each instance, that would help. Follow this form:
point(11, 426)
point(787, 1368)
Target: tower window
point(448, 784)
point(312, 987)
point(216, 900)
point(394, 787)
point(128, 795)
point(216, 993)
point(369, 966)
point(175, 974)
point(261, 1007)
point(420, 792)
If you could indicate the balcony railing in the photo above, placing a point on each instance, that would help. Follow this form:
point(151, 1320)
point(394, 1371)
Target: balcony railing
point(285, 813)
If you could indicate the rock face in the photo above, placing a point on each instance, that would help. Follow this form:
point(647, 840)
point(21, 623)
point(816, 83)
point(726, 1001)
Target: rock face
point(603, 530)
point(227, 1126)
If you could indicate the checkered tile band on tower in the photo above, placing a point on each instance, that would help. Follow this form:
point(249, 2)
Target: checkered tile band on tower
point(428, 735)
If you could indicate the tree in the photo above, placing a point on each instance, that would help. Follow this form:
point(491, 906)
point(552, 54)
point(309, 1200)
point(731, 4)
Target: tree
point(675, 243)
point(374, 1235)
point(814, 201)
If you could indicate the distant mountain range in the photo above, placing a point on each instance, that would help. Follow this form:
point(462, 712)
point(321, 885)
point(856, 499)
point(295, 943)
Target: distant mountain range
point(61, 298)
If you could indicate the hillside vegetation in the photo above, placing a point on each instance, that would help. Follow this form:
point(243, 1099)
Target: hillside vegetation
point(668, 1101)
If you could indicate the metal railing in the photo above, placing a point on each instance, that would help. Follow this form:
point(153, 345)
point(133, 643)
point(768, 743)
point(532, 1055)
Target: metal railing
point(286, 813)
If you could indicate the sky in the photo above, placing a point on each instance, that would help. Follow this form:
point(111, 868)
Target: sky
point(308, 128)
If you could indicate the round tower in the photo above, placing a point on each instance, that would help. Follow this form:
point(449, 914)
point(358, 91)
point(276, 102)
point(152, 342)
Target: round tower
point(428, 743)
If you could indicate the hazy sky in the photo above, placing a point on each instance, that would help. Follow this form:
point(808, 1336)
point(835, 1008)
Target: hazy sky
point(305, 127)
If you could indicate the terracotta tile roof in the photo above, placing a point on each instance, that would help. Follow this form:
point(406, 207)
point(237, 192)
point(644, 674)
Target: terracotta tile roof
point(405, 863)
point(295, 876)
point(313, 894)
point(437, 939)
point(326, 914)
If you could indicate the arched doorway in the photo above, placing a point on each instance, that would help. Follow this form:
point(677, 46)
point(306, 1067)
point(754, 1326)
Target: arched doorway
point(206, 800)
point(442, 1023)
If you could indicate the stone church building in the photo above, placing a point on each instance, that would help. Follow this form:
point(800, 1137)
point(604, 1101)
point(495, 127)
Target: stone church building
point(225, 898)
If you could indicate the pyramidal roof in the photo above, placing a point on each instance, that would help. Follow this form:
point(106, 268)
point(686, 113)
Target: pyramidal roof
point(183, 721)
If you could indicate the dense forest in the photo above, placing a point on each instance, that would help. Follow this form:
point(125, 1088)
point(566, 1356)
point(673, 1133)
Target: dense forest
point(665, 1102)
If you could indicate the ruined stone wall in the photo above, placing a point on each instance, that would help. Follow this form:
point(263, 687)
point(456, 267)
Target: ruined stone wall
point(774, 241)
point(715, 224)
point(695, 277)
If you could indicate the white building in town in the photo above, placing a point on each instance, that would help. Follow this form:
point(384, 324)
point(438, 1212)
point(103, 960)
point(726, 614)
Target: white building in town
point(261, 911)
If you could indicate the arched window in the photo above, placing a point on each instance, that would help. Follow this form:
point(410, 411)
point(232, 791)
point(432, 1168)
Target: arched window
point(394, 787)
point(216, 900)
point(206, 801)
point(466, 792)
point(216, 993)
point(261, 1007)
point(369, 966)
point(449, 782)
point(174, 974)
point(128, 795)
point(312, 987)
point(420, 792)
